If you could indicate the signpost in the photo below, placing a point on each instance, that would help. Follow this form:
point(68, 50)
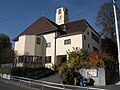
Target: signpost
point(91, 73)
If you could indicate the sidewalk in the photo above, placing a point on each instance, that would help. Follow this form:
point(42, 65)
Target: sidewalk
point(55, 78)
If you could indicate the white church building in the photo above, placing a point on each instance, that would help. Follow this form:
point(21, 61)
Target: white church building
point(48, 42)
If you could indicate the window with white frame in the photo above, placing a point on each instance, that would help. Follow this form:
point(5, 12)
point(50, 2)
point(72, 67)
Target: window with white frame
point(48, 44)
point(59, 11)
point(68, 41)
point(38, 40)
point(48, 59)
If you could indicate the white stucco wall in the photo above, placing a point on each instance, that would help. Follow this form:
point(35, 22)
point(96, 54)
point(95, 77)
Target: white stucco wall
point(76, 41)
point(26, 45)
point(29, 45)
point(90, 41)
point(50, 51)
point(20, 45)
point(39, 47)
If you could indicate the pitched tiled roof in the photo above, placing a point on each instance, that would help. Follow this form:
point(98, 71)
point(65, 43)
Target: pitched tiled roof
point(43, 25)
point(40, 26)
point(74, 27)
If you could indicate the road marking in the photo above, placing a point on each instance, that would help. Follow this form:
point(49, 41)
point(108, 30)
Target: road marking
point(6, 82)
point(97, 88)
point(81, 87)
point(56, 87)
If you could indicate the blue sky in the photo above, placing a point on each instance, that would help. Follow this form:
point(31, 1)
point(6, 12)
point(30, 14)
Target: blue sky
point(17, 15)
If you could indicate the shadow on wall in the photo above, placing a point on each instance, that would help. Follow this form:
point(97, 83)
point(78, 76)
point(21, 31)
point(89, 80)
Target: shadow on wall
point(91, 82)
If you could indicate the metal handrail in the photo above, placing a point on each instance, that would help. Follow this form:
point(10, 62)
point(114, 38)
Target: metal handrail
point(37, 82)
point(44, 83)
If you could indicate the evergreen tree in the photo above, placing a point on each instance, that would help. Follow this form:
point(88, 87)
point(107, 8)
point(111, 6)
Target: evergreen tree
point(6, 51)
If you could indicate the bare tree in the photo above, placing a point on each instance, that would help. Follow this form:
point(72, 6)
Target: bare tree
point(105, 20)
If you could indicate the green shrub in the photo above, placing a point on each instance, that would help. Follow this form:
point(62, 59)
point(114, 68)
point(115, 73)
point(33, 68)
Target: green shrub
point(5, 70)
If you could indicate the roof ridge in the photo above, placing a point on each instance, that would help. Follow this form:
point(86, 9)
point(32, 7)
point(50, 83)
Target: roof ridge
point(91, 27)
point(72, 22)
point(49, 21)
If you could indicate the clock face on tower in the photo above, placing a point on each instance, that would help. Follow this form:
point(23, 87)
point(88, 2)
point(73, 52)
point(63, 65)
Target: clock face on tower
point(60, 17)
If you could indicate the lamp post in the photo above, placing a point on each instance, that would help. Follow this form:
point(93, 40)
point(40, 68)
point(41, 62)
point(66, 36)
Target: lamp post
point(117, 34)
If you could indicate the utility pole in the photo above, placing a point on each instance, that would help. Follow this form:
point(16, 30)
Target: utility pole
point(117, 34)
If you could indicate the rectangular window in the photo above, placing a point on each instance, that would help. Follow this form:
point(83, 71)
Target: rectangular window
point(87, 32)
point(95, 49)
point(88, 45)
point(48, 59)
point(48, 44)
point(20, 58)
point(84, 37)
point(38, 40)
point(59, 11)
point(31, 58)
point(94, 37)
point(68, 41)
point(39, 58)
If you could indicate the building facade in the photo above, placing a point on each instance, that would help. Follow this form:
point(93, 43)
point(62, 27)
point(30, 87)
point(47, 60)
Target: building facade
point(47, 42)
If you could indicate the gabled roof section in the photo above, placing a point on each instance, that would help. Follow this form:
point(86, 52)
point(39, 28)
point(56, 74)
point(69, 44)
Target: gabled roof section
point(41, 25)
point(44, 25)
point(92, 28)
point(75, 27)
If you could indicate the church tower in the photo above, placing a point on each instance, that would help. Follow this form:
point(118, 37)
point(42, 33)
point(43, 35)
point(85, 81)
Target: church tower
point(61, 16)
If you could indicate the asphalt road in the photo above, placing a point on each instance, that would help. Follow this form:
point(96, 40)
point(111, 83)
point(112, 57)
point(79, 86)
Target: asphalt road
point(4, 85)
point(110, 87)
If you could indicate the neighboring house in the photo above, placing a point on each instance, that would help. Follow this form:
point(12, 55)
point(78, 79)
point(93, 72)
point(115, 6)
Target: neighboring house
point(47, 41)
